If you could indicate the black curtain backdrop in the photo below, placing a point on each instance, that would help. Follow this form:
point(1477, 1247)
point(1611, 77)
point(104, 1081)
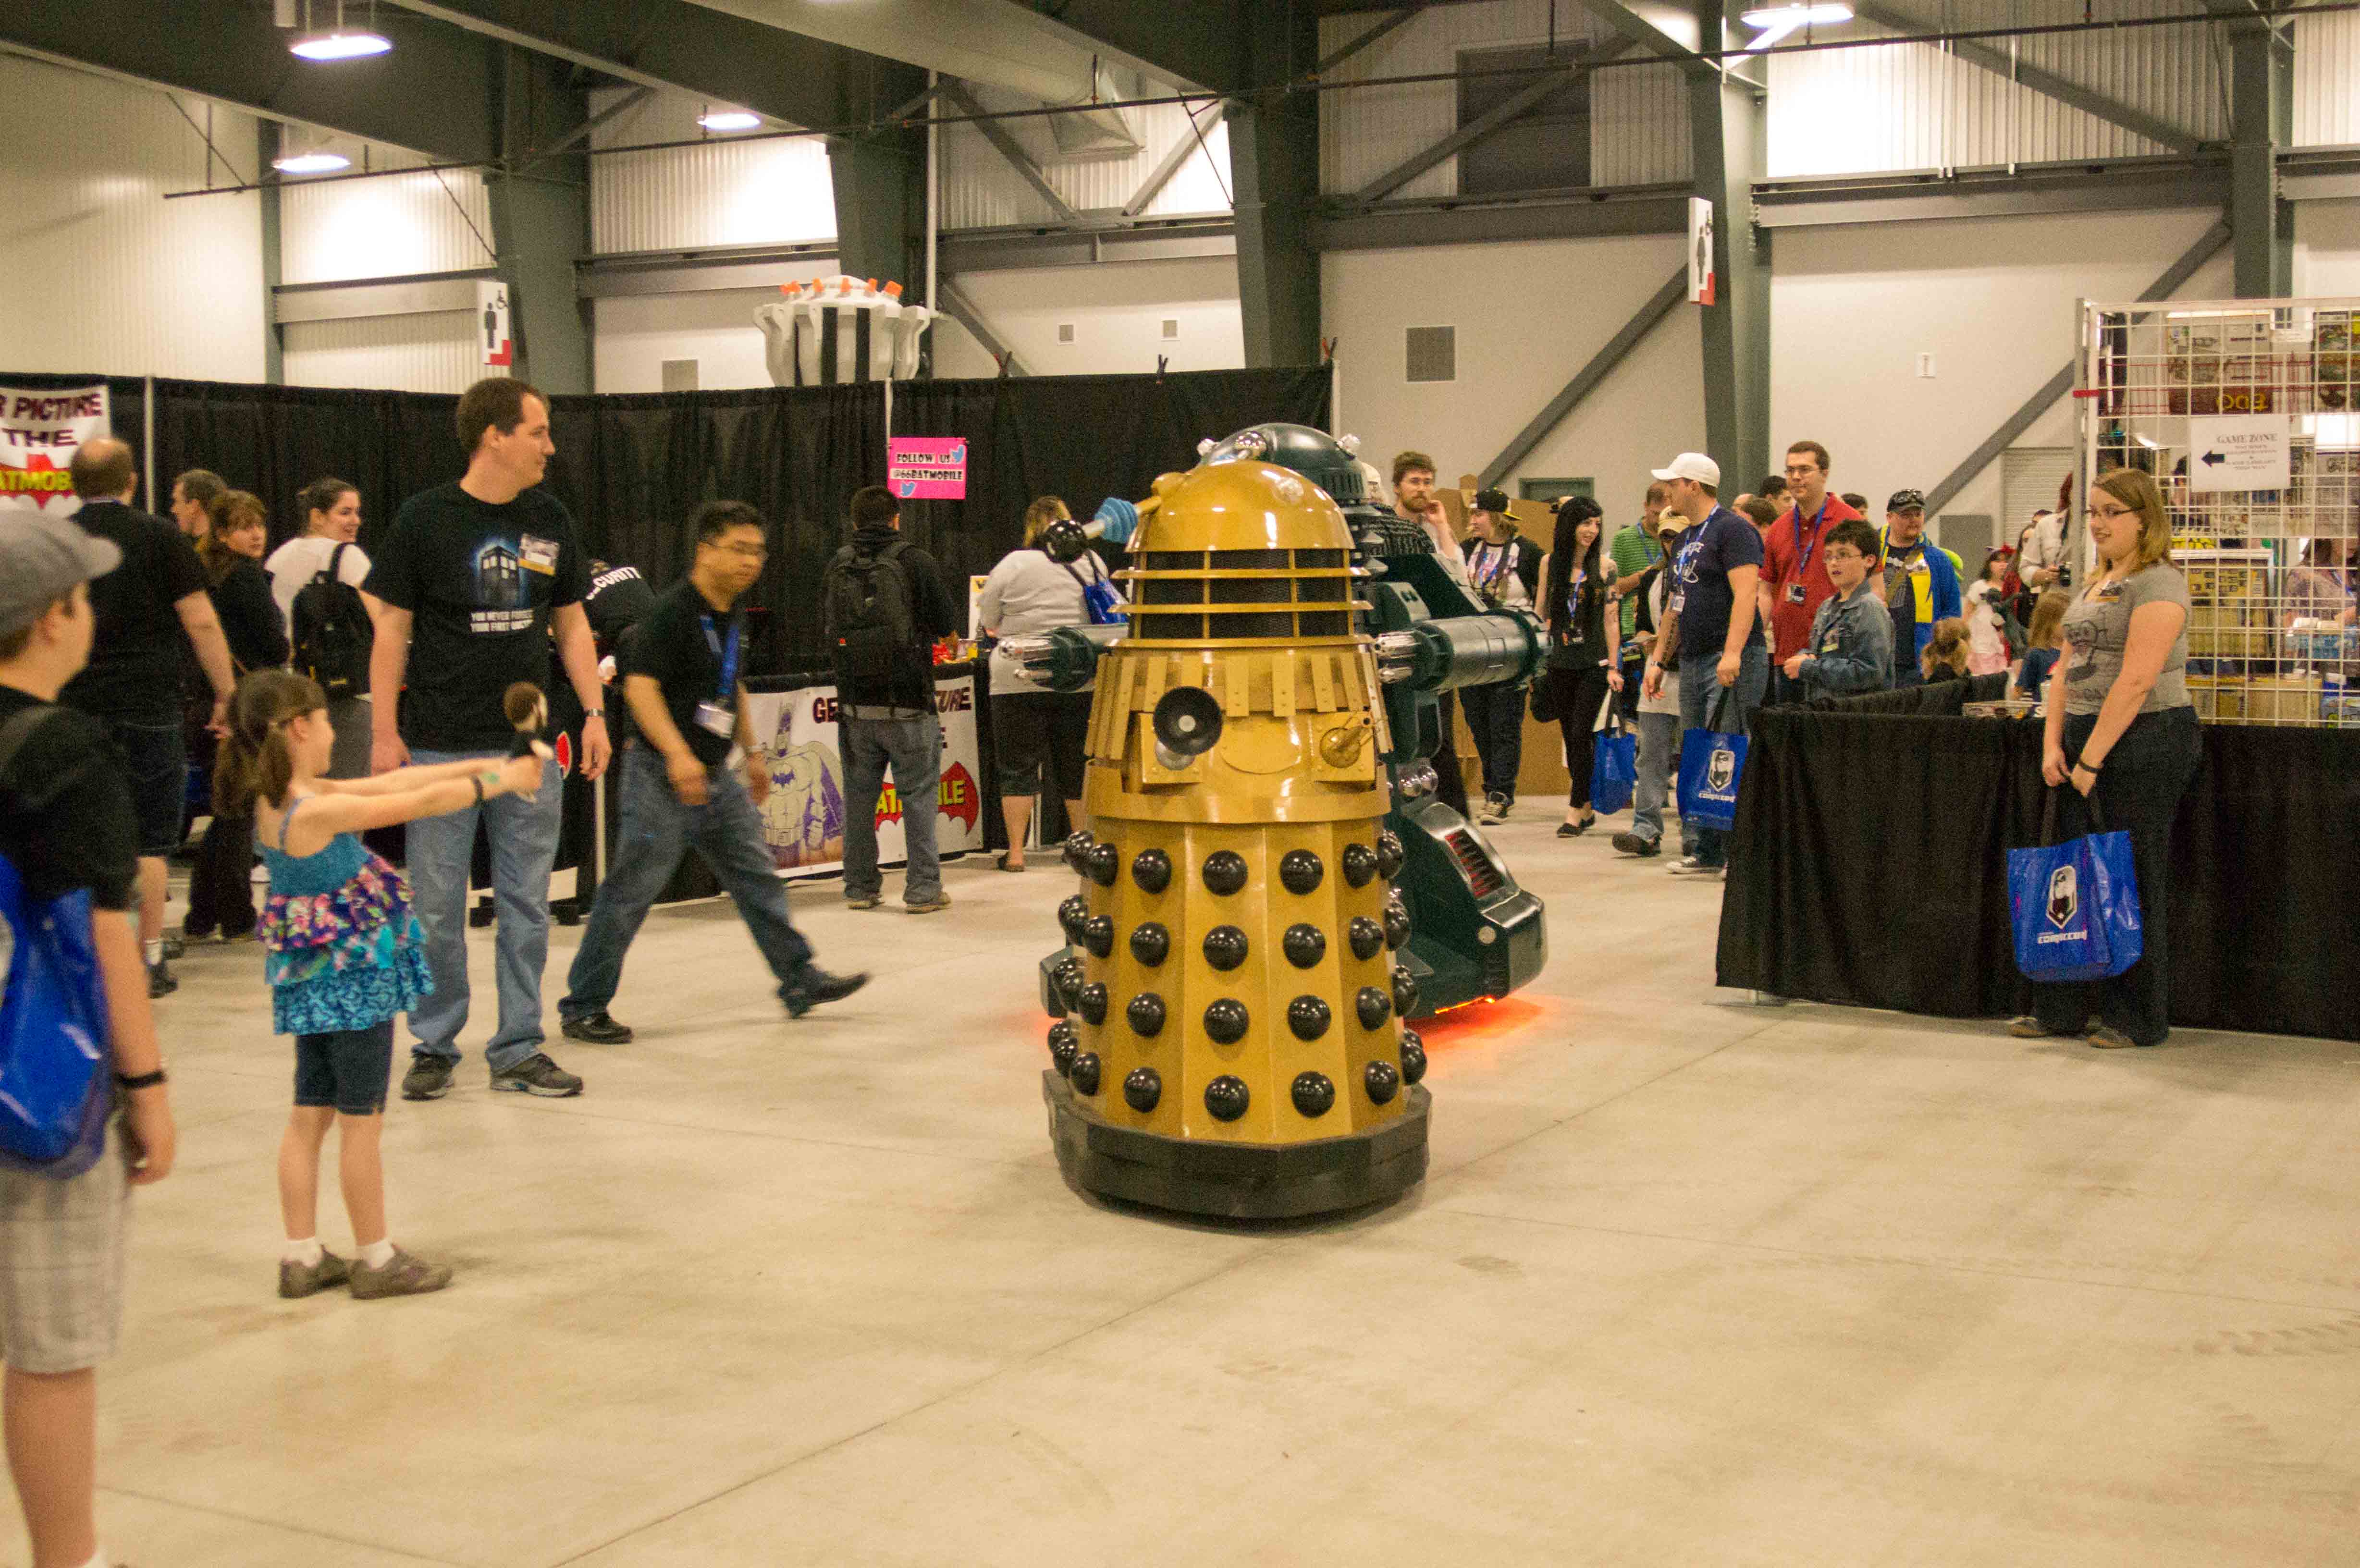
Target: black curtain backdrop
point(1871, 865)
point(631, 467)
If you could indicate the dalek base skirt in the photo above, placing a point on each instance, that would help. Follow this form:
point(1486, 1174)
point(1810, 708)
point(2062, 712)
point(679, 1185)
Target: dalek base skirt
point(1231, 1041)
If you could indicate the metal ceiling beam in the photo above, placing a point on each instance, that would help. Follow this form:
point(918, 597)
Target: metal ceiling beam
point(1193, 43)
point(1375, 35)
point(1481, 129)
point(2135, 184)
point(1587, 379)
point(960, 308)
point(583, 132)
point(1654, 25)
point(1174, 161)
point(232, 55)
point(997, 134)
point(2211, 243)
point(677, 46)
point(2047, 83)
point(1574, 214)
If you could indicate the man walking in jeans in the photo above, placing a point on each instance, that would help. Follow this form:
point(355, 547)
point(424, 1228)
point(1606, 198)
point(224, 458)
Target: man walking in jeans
point(886, 610)
point(681, 677)
point(1724, 667)
point(470, 580)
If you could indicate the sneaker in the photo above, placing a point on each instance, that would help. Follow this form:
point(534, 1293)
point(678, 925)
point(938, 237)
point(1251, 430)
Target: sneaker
point(2029, 1028)
point(403, 1274)
point(296, 1280)
point(598, 1029)
point(815, 985)
point(537, 1075)
point(1632, 843)
point(928, 906)
point(2107, 1037)
point(159, 980)
point(174, 946)
point(864, 902)
point(1690, 865)
point(428, 1077)
point(1494, 811)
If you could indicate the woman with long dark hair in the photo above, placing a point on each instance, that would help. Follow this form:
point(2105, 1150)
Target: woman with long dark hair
point(1584, 642)
point(221, 892)
point(330, 509)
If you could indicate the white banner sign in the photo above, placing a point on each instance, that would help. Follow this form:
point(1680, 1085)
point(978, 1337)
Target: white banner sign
point(2247, 451)
point(40, 430)
point(804, 819)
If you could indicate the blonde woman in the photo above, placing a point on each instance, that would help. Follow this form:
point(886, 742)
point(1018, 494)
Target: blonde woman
point(2121, 746)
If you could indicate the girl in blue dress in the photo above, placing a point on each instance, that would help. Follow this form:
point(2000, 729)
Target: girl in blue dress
point(344, 955)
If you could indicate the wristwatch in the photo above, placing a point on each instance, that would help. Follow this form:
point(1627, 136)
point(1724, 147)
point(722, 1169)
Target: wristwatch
point(140, 1080)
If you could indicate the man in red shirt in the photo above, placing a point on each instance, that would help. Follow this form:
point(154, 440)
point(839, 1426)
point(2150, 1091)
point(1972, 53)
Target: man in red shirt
point(1794, 570)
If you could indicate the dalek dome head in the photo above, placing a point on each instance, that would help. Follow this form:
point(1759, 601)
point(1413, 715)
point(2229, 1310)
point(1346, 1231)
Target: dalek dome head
point(1243, 505)
point(1320, 457)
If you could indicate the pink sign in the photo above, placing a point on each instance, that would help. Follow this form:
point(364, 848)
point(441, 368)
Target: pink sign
point(927, 468)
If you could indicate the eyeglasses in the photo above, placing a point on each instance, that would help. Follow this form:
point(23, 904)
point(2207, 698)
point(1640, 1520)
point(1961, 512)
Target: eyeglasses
point(2112, 512)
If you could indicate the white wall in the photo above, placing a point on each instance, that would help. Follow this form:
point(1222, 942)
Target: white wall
point(723, 191)
point(635, 334)
point(98, 272)
point(1528, 316)
point(2327, 248)
point(1992, 299)
point(432, 351)
point(397, 226)
point(1116, 310)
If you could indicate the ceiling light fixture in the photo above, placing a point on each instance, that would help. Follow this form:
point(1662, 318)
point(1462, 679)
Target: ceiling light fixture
point(729, 120)
point(311, 163)
point(338, 42)
point(1777, 22)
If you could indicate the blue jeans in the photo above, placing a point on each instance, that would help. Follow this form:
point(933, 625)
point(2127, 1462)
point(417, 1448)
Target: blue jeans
point(914, 749)
point(1701, 692)
point(656, 830)
point(442, 852)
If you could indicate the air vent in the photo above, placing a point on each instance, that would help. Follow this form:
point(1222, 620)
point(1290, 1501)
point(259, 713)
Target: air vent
point(1483, 877)
point(1432, 353)
point(1065, 331)
point(1170, 328)
point(679, 374)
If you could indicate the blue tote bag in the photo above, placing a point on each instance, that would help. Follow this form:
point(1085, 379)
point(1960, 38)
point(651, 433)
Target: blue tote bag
point(1613, 766)
point(56, 1082)
point(1712, 765)
point(2074, 908)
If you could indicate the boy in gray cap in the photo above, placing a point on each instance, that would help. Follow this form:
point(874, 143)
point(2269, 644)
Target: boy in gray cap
point(66, 823)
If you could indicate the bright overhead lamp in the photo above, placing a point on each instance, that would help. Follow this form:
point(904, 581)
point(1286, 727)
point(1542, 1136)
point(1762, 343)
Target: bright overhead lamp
point(729, 120)
point(1777, 22)
point(311, 163)
point(356, 43)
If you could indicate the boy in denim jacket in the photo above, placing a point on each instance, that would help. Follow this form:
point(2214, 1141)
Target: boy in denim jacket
point(1851, 645)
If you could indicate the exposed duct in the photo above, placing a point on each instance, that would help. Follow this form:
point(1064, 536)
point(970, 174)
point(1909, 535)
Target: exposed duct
point(982, 40)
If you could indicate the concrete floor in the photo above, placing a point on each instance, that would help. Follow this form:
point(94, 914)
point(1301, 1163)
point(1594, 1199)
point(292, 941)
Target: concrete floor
point(1691, 1281)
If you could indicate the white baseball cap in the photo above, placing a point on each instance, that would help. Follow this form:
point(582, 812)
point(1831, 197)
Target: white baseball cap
point(1692, 466)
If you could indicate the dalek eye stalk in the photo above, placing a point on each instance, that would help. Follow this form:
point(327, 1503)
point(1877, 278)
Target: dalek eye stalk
point(1240, 950)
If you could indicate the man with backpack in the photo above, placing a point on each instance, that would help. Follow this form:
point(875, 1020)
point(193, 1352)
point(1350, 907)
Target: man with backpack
point(69, 832)
point(885, 608)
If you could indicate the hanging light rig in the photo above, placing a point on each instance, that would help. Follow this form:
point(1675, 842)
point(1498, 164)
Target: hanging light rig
point(339, 42)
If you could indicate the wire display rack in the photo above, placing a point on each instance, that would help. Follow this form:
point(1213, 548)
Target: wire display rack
point(2208, 394)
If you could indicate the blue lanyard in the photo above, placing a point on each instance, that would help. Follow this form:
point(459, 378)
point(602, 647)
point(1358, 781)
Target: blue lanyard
point(728, 655)
point(1805, 552)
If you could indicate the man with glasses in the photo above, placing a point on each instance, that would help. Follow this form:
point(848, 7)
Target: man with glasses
point(681, 676)
point(1794, 581)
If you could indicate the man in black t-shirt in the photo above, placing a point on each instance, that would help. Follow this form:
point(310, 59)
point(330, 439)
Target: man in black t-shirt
point(149, 610)
point(466, 590)
point(67, 826)
point(681, 676)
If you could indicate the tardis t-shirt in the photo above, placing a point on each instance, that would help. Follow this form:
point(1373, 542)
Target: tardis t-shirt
point(479, 580)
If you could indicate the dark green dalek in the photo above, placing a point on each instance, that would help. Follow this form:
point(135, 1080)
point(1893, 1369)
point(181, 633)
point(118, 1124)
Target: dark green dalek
point(1473, 934)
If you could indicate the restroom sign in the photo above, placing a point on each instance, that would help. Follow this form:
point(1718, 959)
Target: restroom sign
point(495, 339)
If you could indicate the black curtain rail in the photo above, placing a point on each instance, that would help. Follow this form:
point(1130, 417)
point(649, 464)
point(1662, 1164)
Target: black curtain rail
point(1315, 84)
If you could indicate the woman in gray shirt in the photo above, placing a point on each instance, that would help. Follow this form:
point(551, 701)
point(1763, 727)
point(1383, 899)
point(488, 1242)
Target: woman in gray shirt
point(2121, 746)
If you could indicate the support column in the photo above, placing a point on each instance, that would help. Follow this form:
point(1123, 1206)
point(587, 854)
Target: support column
point(1274, 164)
point(879, 180)
point(274, 345)
point(1728, 125)
point(541, 219)
point(2261, 71)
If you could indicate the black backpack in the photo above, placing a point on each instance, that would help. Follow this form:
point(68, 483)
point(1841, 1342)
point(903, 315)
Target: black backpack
point(332, 632)
point(871, 621)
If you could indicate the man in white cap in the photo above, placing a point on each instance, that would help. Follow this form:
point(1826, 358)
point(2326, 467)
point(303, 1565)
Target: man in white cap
point(1725, 666)
point(67, 825)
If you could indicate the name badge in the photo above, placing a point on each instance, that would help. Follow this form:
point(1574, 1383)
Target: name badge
point(1677, 601)
point(1831, 645)
point(537, 555)
point(715, 719)
point(1794, 592)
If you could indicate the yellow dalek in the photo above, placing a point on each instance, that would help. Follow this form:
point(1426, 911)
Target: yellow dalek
point(1232, 1045)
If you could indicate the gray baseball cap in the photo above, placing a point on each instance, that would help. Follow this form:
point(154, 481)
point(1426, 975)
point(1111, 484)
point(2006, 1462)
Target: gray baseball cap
point(41, 557)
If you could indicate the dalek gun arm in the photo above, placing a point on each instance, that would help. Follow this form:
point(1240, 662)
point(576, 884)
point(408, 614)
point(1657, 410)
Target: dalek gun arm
point(1063, 659)
point(1462, 651)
